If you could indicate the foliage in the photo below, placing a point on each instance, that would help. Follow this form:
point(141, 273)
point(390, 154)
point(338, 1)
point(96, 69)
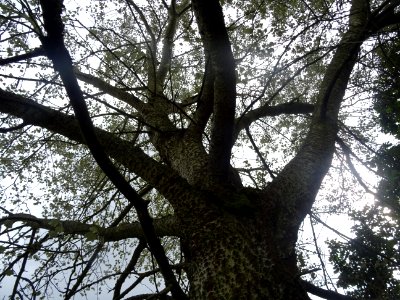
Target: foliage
point(387, 91)
point(388, 162)
point(368, 263)
point(387, 104)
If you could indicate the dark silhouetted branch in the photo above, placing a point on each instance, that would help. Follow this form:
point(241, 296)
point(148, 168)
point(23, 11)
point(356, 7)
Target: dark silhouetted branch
point(326, 294)
point(59, 55)
point(34, 53)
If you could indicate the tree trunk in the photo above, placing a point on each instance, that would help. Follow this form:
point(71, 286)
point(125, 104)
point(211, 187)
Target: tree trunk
point(231, 256)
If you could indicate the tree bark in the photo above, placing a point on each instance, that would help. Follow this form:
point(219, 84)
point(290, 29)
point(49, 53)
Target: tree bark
point(234, 256)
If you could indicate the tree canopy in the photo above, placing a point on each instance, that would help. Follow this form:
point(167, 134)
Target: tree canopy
point(176, 149)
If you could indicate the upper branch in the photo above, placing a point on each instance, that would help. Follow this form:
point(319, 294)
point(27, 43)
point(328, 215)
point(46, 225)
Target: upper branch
point(304, 173)
point(111, 90)
point(168, 42)
point(174, 12)
point(205, 101)
point(151, 46)
point(267, 110)
point(217, 47)
point(153, 118)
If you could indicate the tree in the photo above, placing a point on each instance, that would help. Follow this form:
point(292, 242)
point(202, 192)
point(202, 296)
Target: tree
point(388, 106)
point(368, 261)
point(127, 128)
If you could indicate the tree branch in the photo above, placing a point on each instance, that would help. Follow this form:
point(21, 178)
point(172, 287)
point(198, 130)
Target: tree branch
point(23, 265)
point(57, 52)
point(305, 172)
point(385, 15)
point(144, 275)
point(165, 226)
point(216, 43)
point(31, 54)
point(111, 90)
point(205, 102)
point(168, 42)
point(160, 296)
point(290, 108)
point(71, 292)
point(317, 291)
point(128, 269)
point(153, 118)
point(160, 176)
point(152, 46)
point(13, 128)
point(346, 151)
point(259, 153)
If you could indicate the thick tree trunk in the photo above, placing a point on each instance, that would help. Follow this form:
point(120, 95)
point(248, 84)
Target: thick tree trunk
point(231, 255)
point(238, 257)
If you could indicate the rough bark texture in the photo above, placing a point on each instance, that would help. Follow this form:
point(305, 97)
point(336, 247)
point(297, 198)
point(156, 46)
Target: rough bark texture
point(233, 256)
